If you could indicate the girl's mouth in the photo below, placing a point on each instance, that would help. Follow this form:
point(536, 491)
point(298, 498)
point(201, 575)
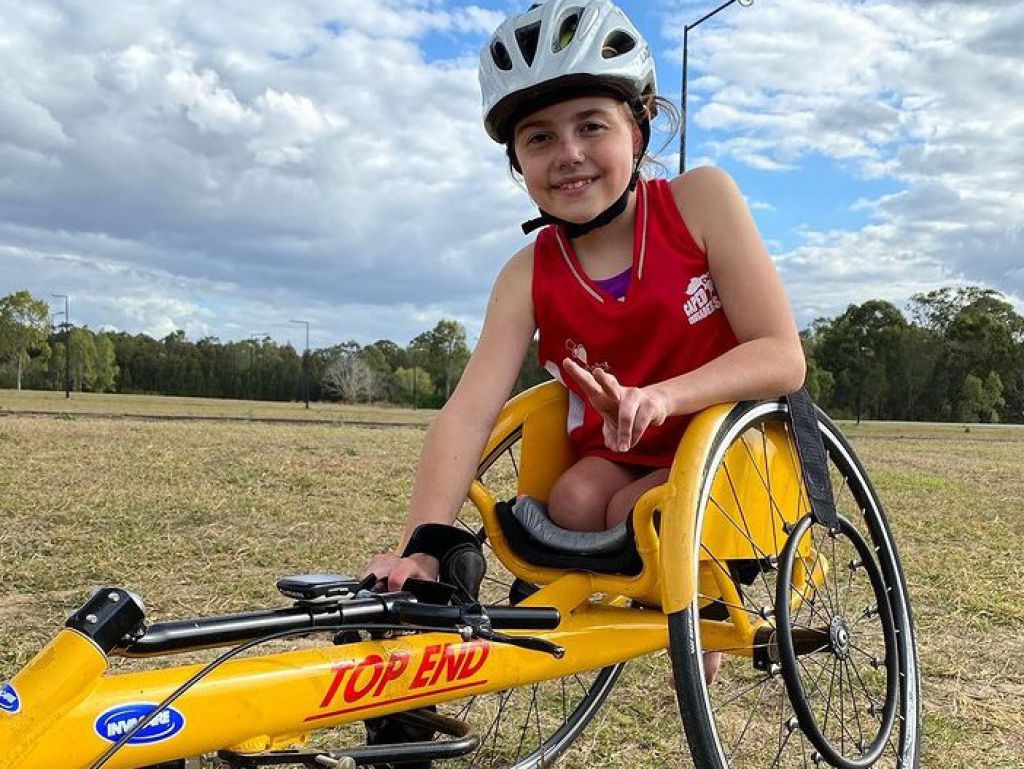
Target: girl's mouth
point(574, 185)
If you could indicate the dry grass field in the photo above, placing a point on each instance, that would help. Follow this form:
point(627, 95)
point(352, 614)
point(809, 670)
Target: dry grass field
point(148, 406)
point(202, 516)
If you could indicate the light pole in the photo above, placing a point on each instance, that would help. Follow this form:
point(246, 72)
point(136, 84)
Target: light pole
point(305, 361)
point(67, 343)
point(252, 346)
point(686, 37)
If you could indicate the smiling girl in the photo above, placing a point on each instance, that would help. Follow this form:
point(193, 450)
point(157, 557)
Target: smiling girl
point(653, 299)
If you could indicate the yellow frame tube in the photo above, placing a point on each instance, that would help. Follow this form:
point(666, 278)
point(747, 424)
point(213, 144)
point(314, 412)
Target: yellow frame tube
point(251, 703)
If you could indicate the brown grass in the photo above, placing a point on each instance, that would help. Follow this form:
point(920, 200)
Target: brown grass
point(202, 517)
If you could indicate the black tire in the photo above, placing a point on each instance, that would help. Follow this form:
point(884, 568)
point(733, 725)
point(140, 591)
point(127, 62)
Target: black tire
point(744, 719)
point(530, 726)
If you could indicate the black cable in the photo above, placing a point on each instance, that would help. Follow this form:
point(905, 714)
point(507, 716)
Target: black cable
point(209, 668)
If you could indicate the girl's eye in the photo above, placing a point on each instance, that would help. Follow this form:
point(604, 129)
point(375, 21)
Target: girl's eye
point(536, 138)
point(592, 127)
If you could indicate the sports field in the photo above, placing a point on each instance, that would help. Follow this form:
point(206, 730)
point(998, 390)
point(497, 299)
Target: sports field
point(201, 516)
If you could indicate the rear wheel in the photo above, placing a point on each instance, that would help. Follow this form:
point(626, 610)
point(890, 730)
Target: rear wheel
point(529, 726)
point(842, 648)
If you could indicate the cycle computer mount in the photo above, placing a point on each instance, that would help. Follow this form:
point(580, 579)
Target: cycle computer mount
point(319, 588)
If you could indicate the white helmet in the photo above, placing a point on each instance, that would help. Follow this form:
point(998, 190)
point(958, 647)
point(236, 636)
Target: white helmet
point(556, 45)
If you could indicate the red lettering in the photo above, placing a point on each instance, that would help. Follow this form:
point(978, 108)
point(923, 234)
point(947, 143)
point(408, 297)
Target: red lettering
point(397, 663)
point(339, 673)
point(472, 665)
point(450, 663)
point(427, 664)
point(375, 664)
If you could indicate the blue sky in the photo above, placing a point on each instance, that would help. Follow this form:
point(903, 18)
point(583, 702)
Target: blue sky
point(223, 169)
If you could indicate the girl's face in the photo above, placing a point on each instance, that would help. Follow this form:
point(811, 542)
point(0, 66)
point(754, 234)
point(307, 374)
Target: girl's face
point(577, 156)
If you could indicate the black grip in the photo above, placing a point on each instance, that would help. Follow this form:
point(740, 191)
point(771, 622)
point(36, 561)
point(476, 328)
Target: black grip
point(813, 459)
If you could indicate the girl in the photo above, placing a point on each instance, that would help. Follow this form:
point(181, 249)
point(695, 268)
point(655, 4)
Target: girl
point(653, 298)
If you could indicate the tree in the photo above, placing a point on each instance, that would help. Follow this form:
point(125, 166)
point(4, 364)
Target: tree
point(980, 401)
point(443, 352)
point(414, 390)
point(349, 377)
point(24, 326)
point(105, 375)
point(937, 309)
point(82, 349)
point(860, 348)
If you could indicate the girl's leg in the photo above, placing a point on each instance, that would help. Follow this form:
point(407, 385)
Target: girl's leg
point(623, 500)
point(580, 497)
point(620, 506)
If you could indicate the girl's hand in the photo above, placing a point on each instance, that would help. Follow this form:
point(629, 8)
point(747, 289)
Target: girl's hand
point(393, 571)
point(627, 411)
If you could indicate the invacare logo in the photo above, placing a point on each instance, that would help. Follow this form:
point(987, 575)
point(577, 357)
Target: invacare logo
point(116, 722)
point(9, 700)
point(701, 298)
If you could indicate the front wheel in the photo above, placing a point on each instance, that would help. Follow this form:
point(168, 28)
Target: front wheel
point(841, 651)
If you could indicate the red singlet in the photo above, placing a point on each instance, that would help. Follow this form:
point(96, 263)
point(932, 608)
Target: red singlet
point(670, 322)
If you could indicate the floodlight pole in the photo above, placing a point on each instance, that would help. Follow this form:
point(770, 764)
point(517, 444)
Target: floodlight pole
point(686, 39)
point(305, 361)
point(67, 344)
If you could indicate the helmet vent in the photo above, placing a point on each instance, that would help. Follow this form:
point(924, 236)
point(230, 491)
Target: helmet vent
point(567, 30)
point(527, 38)
point(499, 53)
point(617, 43)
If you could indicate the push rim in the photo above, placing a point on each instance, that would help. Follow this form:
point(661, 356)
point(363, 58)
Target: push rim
point(849, 654)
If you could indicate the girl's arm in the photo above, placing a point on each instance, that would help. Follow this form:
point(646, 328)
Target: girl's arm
point(456, 439)
point(769, 360)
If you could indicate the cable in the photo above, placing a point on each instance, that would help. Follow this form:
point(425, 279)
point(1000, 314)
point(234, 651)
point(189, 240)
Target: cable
point(209, 668)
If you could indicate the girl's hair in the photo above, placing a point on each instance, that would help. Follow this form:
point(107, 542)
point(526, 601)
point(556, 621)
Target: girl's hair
point(650, 105)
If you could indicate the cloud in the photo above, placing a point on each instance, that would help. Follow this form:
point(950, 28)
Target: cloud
point(288, 157)
point(925, 95)
point(217, 167)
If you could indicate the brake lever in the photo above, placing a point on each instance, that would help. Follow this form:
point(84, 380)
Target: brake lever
point(525, 642)
point(478, 625)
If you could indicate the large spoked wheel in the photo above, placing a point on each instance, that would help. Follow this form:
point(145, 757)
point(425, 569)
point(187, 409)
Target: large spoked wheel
point(527, 727)
point(864, 702)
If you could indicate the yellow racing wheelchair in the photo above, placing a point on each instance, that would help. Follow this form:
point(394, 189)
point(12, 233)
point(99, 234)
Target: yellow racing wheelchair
point(764, 565)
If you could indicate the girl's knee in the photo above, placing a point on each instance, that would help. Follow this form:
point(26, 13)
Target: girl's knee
point(577, 505)
point(619, 507)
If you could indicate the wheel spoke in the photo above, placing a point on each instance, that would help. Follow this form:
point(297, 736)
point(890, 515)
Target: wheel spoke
point(750, 718)
point(746, 526)
point(855, 707)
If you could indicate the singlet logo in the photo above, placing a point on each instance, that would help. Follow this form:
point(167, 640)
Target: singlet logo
point(702, 300)
point(579, 354)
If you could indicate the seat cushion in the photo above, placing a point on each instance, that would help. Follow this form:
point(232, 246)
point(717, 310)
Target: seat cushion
point(525, 543)
point(533, 515)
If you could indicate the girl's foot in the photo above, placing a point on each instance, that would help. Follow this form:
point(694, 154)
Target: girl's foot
point(712, 662)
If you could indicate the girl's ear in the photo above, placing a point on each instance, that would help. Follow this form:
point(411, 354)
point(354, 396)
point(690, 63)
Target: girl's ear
point(638, 138)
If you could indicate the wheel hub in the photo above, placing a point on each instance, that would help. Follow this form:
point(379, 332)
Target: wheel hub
point(839, 637)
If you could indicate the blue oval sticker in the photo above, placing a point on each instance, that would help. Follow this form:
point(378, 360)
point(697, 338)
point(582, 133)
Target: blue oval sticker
point(10, 702)
point(114, 723)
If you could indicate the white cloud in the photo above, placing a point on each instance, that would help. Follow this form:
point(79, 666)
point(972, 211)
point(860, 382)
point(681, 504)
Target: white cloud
point(924, 95)
point(216, 166)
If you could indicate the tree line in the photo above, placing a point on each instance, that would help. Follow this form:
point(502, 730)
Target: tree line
point(957, 354)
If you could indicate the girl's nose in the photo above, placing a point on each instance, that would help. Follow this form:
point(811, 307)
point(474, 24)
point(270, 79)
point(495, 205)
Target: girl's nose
point(570, 152)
